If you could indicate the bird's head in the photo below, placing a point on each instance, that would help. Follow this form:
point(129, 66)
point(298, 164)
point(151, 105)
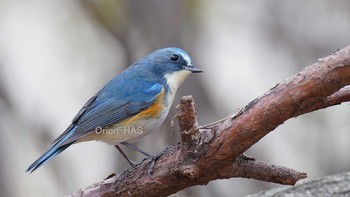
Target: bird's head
point(173, 65)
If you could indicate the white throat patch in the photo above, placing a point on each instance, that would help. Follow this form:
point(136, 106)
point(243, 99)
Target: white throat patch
point(175, 79)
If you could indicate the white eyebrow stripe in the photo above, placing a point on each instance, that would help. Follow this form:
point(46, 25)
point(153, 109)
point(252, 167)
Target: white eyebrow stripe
point(187, 59)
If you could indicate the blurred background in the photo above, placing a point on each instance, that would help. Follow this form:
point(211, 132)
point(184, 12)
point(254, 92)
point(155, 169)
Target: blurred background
point(54, 55)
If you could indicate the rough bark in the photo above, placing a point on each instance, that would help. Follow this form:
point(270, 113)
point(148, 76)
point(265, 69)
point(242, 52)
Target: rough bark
point(214, 151)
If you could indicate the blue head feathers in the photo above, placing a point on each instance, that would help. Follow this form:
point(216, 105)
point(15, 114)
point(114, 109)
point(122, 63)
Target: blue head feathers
point(168, 60)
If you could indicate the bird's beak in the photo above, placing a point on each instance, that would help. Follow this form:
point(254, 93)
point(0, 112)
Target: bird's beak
point(193, 69)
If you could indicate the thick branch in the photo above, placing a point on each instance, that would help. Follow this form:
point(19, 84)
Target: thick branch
point(243, 167)
point(209, 152)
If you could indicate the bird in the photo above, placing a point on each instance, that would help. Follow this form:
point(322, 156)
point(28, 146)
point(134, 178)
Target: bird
point(130, 106)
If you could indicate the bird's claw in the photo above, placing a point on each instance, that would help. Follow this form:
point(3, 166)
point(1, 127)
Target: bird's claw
point(133, 164)
point(151, 167)
point(153, 159)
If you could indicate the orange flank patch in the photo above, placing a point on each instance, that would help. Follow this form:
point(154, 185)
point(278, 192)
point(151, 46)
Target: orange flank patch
point(151, 112)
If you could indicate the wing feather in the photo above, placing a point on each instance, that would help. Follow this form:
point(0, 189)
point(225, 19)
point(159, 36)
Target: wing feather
point(104, 112)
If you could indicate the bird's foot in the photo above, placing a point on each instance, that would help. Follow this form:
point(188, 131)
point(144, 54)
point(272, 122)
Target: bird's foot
point(133, 164)
point(153, 159)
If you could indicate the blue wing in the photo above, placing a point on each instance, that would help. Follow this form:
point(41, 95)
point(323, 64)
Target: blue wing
point(123, 97)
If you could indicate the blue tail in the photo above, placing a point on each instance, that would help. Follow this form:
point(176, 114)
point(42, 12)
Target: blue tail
point(56, 149)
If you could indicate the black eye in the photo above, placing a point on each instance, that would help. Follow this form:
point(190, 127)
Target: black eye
point(174, 57)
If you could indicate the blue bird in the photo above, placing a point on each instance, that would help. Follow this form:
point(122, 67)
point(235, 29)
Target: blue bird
point(128, 107)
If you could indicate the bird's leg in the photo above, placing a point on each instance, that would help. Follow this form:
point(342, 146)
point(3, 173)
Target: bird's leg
point(131, 146)
point(153, 158)
point(133, 164)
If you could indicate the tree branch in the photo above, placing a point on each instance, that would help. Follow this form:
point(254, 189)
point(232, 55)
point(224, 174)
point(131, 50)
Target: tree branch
point(214, 151)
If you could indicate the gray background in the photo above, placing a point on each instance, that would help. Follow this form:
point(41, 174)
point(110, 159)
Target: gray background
point(54, 55)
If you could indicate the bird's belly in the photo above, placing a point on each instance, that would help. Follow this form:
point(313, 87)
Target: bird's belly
point(127, 131)
point(133, 132)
